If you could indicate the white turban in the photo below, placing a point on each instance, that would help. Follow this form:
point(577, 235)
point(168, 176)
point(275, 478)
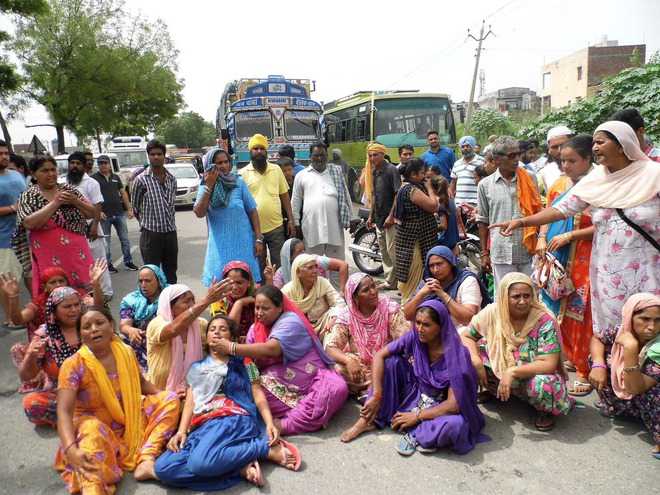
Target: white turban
point(560, 130)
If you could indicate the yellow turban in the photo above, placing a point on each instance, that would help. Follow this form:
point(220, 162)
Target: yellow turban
point(258, 140)
point(368, 174)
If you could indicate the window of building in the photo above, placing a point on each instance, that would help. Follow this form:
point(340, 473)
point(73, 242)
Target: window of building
point(546, 80)
point(579, 73)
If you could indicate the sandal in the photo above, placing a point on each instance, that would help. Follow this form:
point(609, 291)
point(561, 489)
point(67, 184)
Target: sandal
point(580, 388)
point(293, 450)
point(568, 366)
point(484, 396)
point(407, 445)
point(544, 421)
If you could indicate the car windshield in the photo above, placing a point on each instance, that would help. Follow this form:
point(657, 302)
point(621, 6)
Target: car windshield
point(410, 119)
point(184, 172)
point(250, 123)
point(301, 125)
point(131, 159)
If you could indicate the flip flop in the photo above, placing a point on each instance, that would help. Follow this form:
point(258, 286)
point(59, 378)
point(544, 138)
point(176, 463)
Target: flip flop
point(484, 396)
point(577, 384)
point(540, 424)
point(407, 445)
point(568, 366)
point(293, 450)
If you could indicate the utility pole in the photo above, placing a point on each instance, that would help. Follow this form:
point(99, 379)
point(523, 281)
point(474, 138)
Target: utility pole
point(480, 40)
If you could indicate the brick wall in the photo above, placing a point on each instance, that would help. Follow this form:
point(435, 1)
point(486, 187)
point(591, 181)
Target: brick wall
point(605, 61)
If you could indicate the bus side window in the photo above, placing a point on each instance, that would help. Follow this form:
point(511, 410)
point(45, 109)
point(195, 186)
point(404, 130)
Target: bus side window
point(361, 129)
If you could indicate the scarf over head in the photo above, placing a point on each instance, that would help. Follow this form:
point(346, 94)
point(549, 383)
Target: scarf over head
point(626, 188)
point(494, 323)
point(128, 412)
point(285, 259)
point(635, 303)
point(459, 374)
point(179, 365)
point(368, 172)
point(138, 303)
point(55, 341)
point(295, 290)
point(47, 274)
point(370, 333)
point(459, 275)
point(225, 183)
point(530, 203)
point(258, 140)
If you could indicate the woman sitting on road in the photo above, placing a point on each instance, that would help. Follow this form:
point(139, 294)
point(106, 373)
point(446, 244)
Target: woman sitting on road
point(174, 336)
point(138, 308)
point(459, 290)
point(313, 295)
point(301, 386)
point(515, 348)
point(109, 418)
point(51, 344)
point(231, 216)
point(631, 385)
point(226, 426)
point(369, 322)
point(238, 304)
point(290, 251)
point(424, 385)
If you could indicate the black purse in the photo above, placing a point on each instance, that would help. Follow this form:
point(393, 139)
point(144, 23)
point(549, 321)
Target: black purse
point(638, 229)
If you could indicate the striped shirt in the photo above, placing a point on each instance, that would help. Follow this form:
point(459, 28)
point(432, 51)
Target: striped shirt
point(153, 201)
point(466, 186)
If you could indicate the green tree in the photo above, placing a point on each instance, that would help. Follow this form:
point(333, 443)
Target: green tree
point(486, 122)
point(188, 130)
point(637, 87)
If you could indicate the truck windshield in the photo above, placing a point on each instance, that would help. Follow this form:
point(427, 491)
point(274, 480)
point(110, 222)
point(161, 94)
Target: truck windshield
point(131, 159)
point(301, 125)
point(250, 123)
point(409, 119)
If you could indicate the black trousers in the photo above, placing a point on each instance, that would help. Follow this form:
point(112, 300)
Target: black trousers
point(160, 249)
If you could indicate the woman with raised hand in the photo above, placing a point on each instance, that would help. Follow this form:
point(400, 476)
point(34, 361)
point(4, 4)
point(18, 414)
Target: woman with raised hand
point(238, 304)
point(226, 426)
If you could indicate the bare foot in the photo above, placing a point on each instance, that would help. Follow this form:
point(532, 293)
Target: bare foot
point(361, 426)
point(281, 455)
point(252, 474)
point(145, 471)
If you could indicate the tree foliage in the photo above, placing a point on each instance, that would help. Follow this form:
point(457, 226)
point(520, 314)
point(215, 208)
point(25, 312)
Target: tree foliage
point(637, 87)
point(486, 121)
point(97, 69)
point(188, 130)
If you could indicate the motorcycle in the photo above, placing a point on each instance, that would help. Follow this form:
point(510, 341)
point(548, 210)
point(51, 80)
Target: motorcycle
point(469, 247)
point(365, 248)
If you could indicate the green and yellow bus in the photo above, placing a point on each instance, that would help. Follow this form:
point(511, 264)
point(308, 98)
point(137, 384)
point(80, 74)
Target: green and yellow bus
point(393, 118)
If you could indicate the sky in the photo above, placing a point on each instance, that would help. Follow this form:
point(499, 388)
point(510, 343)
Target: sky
point(349, 46)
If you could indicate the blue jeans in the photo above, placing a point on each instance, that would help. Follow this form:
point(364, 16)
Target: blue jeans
point(119, 222)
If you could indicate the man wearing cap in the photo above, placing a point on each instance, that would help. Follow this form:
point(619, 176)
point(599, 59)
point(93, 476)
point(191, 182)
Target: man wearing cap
point(463, 186)
point(270, 190)
point(438, 158)
point(115, 208)
point(552, 169)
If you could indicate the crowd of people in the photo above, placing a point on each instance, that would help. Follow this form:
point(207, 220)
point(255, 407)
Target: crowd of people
point(571, 239)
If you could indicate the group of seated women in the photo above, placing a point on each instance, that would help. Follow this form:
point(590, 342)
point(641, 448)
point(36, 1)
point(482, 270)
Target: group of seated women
point(213, 401)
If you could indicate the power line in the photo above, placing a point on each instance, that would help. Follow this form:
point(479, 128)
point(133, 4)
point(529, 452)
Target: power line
point(480, 40)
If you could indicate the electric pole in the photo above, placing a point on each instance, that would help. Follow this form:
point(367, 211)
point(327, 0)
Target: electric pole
point(476, 70)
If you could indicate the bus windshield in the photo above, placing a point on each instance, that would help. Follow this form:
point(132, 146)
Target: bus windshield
point(250, 123)
point(301, 124)
point(406, 121)
point(131, 159)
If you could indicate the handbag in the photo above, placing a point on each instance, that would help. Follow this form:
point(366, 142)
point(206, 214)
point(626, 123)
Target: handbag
point(638, 229)
point(550, 275)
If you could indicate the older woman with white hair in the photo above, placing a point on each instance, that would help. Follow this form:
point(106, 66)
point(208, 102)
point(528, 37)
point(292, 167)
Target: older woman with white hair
point(624, 196)
point(551, 170)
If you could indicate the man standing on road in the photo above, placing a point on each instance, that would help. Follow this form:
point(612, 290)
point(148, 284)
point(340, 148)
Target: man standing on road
point(633, 118)
point(115, 208)
point(385, 184)
point(406, 153)
point(89, 162)
point(12, 184)
point(463, 185)
point(90, 189)
point(438, 158)
point(270, 191)
point(508, 193)
point(153, 196)
point(321, 192)
point(551, 171)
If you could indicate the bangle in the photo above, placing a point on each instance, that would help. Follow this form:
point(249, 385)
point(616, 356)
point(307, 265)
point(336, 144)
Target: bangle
point(630, 369)
point(598, 365)
point(522, 221)
point(485, 253)
point(260, 241)
point(448, 299)
point(418, 415)
point(69, 446)
point(232, 349)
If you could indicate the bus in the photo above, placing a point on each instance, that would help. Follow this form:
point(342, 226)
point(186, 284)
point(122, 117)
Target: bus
point(393, 118)
point(281, 109)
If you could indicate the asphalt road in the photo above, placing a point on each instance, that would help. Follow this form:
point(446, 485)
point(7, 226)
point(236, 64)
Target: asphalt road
point(585, 453)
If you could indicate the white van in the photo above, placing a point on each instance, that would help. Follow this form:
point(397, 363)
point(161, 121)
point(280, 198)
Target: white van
point(63, 164)
point(131, 152)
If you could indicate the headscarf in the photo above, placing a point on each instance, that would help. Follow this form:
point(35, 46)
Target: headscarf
point(459, 275)
point(128, 412)
point(225, 183)
point(530, 203)
point(138, 303)
point(285, 258)
point(226, 303)
point(467, 140)
point(558, 131)
point(494, 323)
point(370, 333)
point(626, 188)
point(459, 374)
point(295, 291)
point(179, 366)
point(258, 140)
point(368, 171)
point(635, 303)
point(56, 344)
point(45, 275)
